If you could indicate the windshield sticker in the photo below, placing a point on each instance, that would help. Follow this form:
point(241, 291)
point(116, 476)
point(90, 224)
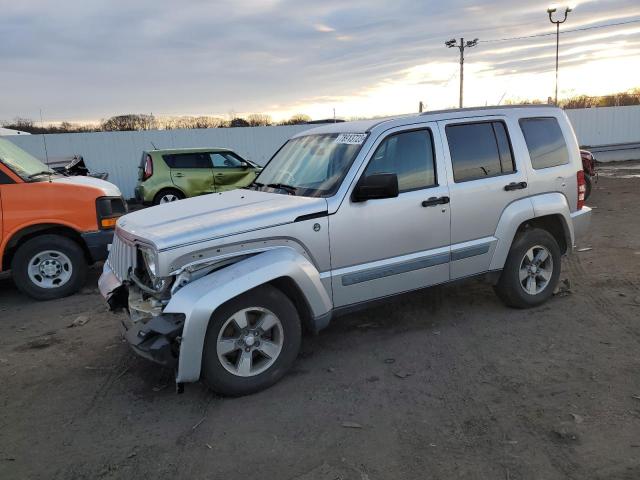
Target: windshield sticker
point(351, 138)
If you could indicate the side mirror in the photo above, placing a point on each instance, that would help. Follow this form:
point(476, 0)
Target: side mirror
point(244, 164)
point(376, 186)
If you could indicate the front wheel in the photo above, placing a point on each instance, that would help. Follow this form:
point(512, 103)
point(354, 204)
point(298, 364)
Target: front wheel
point(251, 342)
point(48, 267)
point(532, 269)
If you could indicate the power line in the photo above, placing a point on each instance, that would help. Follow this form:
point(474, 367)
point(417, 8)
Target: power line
point(593, 27)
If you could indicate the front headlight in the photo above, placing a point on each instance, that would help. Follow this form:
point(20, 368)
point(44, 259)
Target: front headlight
point(150, 261)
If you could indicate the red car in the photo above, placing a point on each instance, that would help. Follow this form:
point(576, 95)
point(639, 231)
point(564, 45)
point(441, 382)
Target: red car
point(589, 168)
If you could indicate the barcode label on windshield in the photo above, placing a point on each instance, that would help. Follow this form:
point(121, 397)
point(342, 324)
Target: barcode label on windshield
point(351, 138)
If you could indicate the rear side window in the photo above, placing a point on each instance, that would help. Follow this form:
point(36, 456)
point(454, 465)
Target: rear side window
point(188, 160)
point(410, 156)
point(479, 150)
point(545, 142)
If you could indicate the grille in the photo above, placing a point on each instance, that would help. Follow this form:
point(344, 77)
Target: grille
point(122, 256)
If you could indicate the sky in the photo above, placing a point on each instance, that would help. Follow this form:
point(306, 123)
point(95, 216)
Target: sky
point(86, 60)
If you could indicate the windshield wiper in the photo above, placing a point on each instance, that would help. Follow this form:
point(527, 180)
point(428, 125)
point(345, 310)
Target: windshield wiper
point(44, 172)
point(254, 184)
point(283, 186)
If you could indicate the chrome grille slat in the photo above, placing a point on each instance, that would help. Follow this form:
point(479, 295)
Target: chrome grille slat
point(122, 256)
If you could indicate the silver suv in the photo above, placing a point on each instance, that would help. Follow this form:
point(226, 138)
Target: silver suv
point(221, 286)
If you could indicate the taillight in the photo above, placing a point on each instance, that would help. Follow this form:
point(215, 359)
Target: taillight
point(148, 168)
point(582, 188)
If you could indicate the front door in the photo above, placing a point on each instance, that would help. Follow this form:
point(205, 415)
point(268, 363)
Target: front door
point(230, 172)
point(191, 172)
point(388, 246)
point(484, 178)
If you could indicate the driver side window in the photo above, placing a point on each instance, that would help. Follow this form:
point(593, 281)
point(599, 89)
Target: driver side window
point(224, 160)
point(410, 156)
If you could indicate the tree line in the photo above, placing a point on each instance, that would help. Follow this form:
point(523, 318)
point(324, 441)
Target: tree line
point(138, 121)
point(620, 99)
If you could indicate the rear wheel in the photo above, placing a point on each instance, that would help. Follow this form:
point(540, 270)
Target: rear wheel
point(167, 195)
point(588, 181)
point(532, 269)
point(48, 267)
point(251, 342)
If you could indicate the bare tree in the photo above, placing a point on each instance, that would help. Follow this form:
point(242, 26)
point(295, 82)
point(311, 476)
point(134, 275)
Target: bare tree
point(238, 122)
point(297, 119)
point(259, 120)
point(129, 122)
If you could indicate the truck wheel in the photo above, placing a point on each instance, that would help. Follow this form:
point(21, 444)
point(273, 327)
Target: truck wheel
point(588, 181)
point(251, 342)
point(167, 195)
point(532, 269)
point(48, 267)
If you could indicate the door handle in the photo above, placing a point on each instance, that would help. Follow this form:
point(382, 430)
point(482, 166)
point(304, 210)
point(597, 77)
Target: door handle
point(433, 201)
point(515, 186)
point(219, 174)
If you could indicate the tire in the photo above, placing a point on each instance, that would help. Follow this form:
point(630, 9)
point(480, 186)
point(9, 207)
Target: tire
point(48, 267)
point(165, 195)
point(588, 181)
point(226, 374)
point(512, 288)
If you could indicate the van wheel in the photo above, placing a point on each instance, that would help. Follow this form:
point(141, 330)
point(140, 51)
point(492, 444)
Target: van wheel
point(588, 184)
point(167, 195)
point(251, 342)
point(48, 267)
point(532, 269)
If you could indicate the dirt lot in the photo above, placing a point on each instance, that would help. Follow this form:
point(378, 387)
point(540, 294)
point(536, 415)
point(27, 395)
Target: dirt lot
point(442, 384)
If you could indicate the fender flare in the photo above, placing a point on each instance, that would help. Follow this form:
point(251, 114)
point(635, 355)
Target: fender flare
point(525, 209)
point(199, 299)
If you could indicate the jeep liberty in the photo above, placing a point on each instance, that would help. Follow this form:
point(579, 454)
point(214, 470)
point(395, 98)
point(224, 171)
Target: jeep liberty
point(220, 287)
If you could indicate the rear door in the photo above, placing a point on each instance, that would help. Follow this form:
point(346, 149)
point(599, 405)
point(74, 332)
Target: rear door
point(484, 178)
point(230, 171)
point(191, 172)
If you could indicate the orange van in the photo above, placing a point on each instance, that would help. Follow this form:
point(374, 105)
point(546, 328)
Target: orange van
point(52, 226)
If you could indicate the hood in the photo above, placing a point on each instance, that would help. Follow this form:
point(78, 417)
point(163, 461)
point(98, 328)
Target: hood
point(108, 189)
point(216, 215)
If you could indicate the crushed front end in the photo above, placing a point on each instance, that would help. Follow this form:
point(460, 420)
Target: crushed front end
point(126, 285)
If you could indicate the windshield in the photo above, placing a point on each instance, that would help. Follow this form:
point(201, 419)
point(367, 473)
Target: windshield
point(22, 163)
point(311, 166)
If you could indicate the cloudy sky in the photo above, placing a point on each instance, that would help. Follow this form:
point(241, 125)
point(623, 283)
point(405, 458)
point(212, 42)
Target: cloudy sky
point(83, 60)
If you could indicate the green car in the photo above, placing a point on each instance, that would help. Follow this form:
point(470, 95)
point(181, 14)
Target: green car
point(170, 175)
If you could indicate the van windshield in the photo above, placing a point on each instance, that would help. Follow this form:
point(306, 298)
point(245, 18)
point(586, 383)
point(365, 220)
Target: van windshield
point(311, 166)
point(23, 164)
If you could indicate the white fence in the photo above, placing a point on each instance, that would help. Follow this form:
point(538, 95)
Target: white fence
point(118, 153)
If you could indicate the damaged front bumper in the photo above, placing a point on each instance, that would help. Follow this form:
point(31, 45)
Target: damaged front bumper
point(150, 333)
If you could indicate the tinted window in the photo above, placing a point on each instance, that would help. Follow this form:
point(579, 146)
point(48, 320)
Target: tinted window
point(479, 150)
point(5, 179)
point(410, 156)
point(188, 160)
point(222, 160)
point(545, 142)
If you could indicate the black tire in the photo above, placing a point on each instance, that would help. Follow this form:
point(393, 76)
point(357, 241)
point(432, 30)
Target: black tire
point(167, 191)
point(588, 182)
point(217, 377)
point(509, 287)
point(31, 248)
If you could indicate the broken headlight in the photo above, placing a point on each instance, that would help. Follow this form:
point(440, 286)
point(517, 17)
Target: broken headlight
point(150, 261)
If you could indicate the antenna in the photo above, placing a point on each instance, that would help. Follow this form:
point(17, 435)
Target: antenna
point(154, 147)
point(44, 141)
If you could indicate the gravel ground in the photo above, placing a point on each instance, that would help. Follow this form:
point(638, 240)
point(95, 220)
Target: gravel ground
point(442, 384)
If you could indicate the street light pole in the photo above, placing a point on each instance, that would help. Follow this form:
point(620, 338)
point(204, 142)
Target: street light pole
point(452, 43)
point(551, 11)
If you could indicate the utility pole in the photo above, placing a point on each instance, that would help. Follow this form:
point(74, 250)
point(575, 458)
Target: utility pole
point(551, 11)
point(470, 43)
